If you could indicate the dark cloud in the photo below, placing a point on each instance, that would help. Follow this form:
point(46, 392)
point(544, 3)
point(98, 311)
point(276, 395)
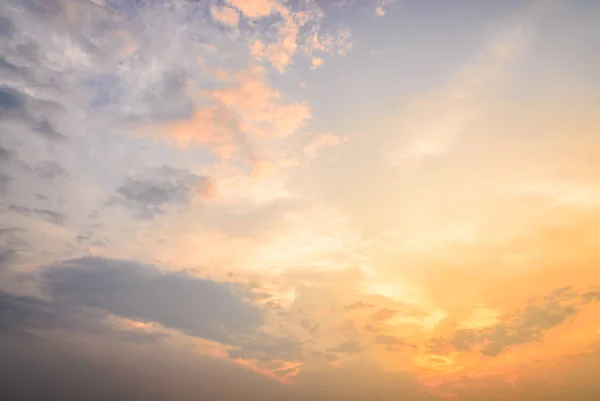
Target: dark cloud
point(45, 214)
point(11, 101)
point(22, 313)
point(168, 186)
point(99, 366)
point(194, 306)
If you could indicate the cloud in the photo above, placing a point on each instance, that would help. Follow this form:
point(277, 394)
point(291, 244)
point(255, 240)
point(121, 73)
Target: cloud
point(320, 142)
point(524, 326)
point(7, 257)
point(4, 183)
point(191, 305)
point(50, 171)
point(440, 118)
point(22, 313)
point(258, 105)
point(591, 296)
point(358, 305)
point(348, 347)
point(382, 5)
point(101, 362)
point(255, 8)
point(10, 101)
point(266, 349)
point(51, 216)
point(225, 15)
point(147, 197)
point(316, 62)
point(6, 155)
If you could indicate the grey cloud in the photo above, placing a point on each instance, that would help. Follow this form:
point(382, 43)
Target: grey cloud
point(18, 106)
point(22, 313)
point(169, 186)
point(463, 340)
point(38, 369)
point(43, 8)
point(348, 347)
point(50, 171)
point(7, 28)
point(11, 244)
point(527, 325)
point(309, 325)
point(6, 154)
point(46, 130)
point(43, 366)
point(45, 214)
point(388, 340)
point(168, 99)
point(10, 101)
point(194, 306)
point(591, 296)
point(7, 257)
point(265, 348)
point(437, 345)
point(4, 182)
point(392, 343)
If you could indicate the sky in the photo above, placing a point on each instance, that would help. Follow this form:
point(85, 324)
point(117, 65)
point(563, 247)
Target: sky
point(299, 200)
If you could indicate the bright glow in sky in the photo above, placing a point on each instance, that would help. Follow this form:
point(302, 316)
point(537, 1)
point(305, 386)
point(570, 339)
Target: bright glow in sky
point(300, 200)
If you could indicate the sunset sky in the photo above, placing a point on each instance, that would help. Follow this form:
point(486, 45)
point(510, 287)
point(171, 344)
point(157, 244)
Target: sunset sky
point(297, 200)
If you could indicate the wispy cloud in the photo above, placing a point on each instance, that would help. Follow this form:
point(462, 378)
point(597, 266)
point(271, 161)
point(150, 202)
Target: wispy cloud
point(436, 121)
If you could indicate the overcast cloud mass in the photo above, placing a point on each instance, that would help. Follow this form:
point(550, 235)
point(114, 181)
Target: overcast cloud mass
point(299, 200)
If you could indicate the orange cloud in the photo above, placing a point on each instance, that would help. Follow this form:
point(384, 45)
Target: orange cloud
point(283, 374)
point(321, 142)
point(225, 15)
point(316, 62)
point(258, 105)
point(255, 8)
point(209, 126)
